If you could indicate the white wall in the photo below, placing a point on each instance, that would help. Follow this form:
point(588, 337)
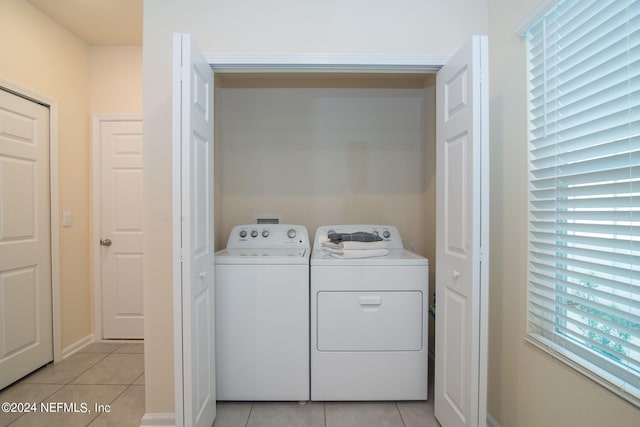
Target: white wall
point(527, 387)
point(280, 26)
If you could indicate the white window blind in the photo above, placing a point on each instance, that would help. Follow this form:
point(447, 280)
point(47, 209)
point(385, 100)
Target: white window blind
point(584, 189)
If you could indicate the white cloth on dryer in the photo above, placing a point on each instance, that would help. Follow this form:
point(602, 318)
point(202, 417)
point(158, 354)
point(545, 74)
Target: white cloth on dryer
point(352, 245)
point(356, 253)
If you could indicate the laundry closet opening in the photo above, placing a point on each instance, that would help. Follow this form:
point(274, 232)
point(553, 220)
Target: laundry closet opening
point(328, 148)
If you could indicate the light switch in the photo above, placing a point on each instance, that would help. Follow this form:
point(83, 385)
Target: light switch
point(66, 219)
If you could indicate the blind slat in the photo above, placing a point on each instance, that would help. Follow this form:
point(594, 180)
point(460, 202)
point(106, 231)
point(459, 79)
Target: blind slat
point(597, 176)
point(610, 242)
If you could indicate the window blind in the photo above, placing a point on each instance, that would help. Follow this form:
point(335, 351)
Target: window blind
point(584, 188)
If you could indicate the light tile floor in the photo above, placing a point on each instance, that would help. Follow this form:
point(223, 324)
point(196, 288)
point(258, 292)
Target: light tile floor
point(112, 374)
point(107, 374)
point(326, 414)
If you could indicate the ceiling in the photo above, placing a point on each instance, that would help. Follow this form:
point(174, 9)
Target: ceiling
point(98, 22)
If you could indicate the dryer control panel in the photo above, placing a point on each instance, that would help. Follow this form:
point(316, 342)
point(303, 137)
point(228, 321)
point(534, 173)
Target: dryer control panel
point(268, 236)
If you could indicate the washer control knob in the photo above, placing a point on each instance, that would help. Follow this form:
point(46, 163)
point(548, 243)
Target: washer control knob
point(386, 234)
point(243, 234)
point(291, 233)
point(265, 233)
point(254, 233)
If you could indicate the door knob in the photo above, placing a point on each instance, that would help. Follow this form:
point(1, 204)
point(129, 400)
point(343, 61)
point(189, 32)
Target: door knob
point(105, 242)
point(456, 274)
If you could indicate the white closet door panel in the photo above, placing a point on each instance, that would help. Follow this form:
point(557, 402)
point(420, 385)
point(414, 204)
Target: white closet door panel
point(193, 235)
point(462, 238)
point(26, 335)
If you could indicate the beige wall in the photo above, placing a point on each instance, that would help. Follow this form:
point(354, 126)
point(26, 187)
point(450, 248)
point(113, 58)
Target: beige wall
point(40, 55)
point(284, 26)
point(115, 79)
point(320, 156)
point(527, 388)
point(44, 57)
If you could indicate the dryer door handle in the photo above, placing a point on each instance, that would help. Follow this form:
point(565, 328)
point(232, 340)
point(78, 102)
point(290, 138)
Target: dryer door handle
point(370, 300)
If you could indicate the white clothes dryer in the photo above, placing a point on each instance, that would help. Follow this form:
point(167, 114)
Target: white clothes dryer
point(262, 314)
point(369, 321)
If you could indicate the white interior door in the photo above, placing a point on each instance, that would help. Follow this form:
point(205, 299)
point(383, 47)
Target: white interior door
point(121, 230)
point(26, 335)
point(193, 235)
point(462, 237)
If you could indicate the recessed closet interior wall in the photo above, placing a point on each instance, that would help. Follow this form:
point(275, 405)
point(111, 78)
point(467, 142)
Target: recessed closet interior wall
point(321, 149)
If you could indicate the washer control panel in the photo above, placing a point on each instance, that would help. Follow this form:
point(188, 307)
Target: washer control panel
point(268, 236)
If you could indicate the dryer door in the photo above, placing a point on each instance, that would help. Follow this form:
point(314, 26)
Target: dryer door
point(370, 321)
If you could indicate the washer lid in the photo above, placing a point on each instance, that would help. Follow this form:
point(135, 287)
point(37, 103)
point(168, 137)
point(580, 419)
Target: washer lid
point(394, 257)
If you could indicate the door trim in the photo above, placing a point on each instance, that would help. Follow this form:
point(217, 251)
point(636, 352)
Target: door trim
point(96, 195)
point(303, 63)
point(52, 104)
point(326, 62)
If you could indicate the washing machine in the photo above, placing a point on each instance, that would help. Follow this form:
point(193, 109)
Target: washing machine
point(368, 321)
point(262, 314)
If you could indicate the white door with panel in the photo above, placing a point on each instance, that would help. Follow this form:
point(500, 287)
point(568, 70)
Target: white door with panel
point(193, 235)
point(26, 334)
point(121, 229)
point(462, 243)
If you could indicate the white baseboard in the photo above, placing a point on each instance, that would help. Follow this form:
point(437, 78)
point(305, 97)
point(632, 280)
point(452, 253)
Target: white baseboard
point(491, 422)
point(158, 420)
point(76, 346)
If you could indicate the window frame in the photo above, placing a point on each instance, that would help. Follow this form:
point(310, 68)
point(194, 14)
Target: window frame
point(575, 355)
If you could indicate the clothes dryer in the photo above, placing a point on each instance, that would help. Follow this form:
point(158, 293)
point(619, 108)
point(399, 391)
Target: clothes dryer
point(262, 314)
point(369, 321)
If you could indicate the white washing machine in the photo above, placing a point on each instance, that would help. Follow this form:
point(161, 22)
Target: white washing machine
point(369, 321)
point(262, 314)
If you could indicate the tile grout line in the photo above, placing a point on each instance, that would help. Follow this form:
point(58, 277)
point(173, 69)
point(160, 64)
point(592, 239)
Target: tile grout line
point(400, 413)
point(246, 424)
point(60, 383)
point(324, 407)
point(110, 403)
point(97, 361)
